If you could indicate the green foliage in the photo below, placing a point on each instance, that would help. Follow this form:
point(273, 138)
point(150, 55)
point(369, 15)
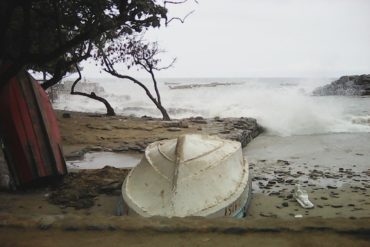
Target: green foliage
point(40, 34)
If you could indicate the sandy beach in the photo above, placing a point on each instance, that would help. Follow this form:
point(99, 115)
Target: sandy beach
point(333, 169)
point(143, 90)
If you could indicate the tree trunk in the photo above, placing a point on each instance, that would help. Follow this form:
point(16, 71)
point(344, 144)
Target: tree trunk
point(165, 115)
point(92, 95)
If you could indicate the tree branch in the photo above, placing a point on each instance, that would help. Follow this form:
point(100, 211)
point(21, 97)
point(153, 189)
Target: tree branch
point(114, 73)
point(77, 80)
point(168, 66)
point(92, 95)
point(62, 66)
point(182, 20)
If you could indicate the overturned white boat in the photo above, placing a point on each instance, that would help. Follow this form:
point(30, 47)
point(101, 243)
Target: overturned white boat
point(193, 175)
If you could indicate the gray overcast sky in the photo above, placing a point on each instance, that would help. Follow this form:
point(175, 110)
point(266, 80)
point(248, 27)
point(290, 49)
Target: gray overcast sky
point(256, 38)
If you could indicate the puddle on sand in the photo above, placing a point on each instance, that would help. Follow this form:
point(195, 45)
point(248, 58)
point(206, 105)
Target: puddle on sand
point(97, 160)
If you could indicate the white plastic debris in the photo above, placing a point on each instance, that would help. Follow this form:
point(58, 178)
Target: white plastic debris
point(298, 216)
point(302, 197)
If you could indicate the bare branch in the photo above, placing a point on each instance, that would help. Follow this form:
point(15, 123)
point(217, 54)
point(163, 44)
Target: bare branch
point(168, 66)
point(182, 20)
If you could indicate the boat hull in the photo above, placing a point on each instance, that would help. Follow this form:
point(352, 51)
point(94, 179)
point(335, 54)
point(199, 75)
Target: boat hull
point(30, 133)
point(237, 209)
point(190, 176)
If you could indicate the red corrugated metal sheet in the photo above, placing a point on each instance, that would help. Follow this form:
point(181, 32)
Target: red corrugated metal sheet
point(29, 130)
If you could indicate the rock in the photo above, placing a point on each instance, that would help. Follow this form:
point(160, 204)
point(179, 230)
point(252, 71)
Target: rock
point(283, 162)
point(336, 206)
point(120, 149)
point(289, 181)
point(147, 117)
point(66, 115)
point(199, 121)
point(198, 85)
point(46, 222)
point(97, 127)
point(174, 129)
point(106, 127)
point(183, 124)
point(346, 85)
point(170, 124)
point(95, 148)
point(136, 148)
point(285, 204)
point(331, 187)
point(268, 215)
point(121, 127)
point(218, 119)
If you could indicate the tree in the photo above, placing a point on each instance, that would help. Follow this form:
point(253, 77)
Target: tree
point(53, 35)
point(92, 95)
point(133, 51)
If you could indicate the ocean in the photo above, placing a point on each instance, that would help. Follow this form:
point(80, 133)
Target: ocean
point(284, 106)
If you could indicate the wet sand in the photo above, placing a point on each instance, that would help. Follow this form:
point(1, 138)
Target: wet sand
point(98, 231)
point(334, 169)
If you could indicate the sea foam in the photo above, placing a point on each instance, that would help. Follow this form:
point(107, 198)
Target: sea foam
point(284, 106)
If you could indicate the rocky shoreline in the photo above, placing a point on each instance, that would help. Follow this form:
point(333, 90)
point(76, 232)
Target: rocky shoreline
point(355, 85)
point(82, 132)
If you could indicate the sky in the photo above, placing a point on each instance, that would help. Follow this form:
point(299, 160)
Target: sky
point(264, 38)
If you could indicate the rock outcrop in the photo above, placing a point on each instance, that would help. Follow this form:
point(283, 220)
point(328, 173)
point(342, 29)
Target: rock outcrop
point(355, 85)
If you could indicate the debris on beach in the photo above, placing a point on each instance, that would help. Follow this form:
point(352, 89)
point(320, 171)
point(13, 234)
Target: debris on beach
point(301, 197)
point(78, 190)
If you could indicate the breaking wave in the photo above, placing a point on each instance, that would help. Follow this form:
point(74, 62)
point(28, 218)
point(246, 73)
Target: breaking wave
point(284, 106)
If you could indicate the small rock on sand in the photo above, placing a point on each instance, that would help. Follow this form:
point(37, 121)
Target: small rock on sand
point(174, 129)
